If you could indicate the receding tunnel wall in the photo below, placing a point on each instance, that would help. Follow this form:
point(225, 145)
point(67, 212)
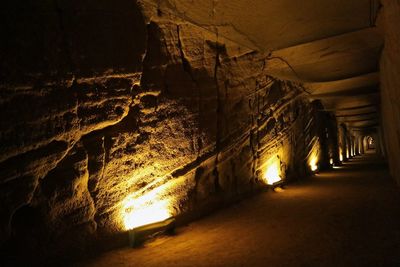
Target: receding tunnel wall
point(99, 110)
point(390, 83)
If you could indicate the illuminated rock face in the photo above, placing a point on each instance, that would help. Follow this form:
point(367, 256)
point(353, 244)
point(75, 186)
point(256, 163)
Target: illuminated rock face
point(198, 117)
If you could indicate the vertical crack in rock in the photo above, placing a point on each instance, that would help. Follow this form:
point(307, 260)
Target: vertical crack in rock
point(96, 150)
point(214, 6)
point(104, 162)
point(185, 63)
point(254, 135)
point(218, 114)
point(197, 142)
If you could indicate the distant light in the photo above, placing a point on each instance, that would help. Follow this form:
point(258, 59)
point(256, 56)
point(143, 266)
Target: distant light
point(314, 164)
point(273, 173)
point(331, 161)
point(341, 157)
point(314, 168)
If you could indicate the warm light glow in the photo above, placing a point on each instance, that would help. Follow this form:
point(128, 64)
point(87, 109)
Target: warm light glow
point(314, 155)
point(144, 210)
point(278, 189)
point(341, 157)
point(313, 164)
point(272, 174)
point(331, 161)
point(347, 154)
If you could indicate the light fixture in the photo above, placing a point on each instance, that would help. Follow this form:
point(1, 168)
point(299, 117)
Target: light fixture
point(136, 217)
point(139, 234)
point(146, 215)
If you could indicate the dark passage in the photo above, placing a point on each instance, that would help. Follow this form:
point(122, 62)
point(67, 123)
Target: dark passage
point(343, 217)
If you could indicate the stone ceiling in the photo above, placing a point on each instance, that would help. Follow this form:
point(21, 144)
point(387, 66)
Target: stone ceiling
point(333, 47)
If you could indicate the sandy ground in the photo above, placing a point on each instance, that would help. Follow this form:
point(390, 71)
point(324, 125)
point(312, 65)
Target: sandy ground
point(345, 217)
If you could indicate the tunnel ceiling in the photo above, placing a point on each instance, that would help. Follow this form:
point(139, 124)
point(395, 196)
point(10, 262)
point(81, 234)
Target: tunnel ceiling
point(332, 47)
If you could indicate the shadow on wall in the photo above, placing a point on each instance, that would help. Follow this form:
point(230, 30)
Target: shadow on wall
point(58, 38)
point(67, 69)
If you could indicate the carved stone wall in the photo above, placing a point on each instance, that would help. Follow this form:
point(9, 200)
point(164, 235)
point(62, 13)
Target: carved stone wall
point(96, 106)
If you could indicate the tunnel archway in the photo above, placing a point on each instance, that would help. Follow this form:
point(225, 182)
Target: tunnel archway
point(370, 144)
point(28, 236)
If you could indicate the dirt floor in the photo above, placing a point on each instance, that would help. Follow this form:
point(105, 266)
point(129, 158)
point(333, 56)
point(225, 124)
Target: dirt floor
point(345, 217)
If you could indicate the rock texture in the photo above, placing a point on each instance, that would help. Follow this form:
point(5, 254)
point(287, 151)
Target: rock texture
point(96, 107)
point(390, 82)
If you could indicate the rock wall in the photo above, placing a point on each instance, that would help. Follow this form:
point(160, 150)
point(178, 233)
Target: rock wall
point(97, 109)
point(390, 83)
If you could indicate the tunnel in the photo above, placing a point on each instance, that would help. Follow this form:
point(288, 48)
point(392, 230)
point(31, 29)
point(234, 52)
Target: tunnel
point(200, 133)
